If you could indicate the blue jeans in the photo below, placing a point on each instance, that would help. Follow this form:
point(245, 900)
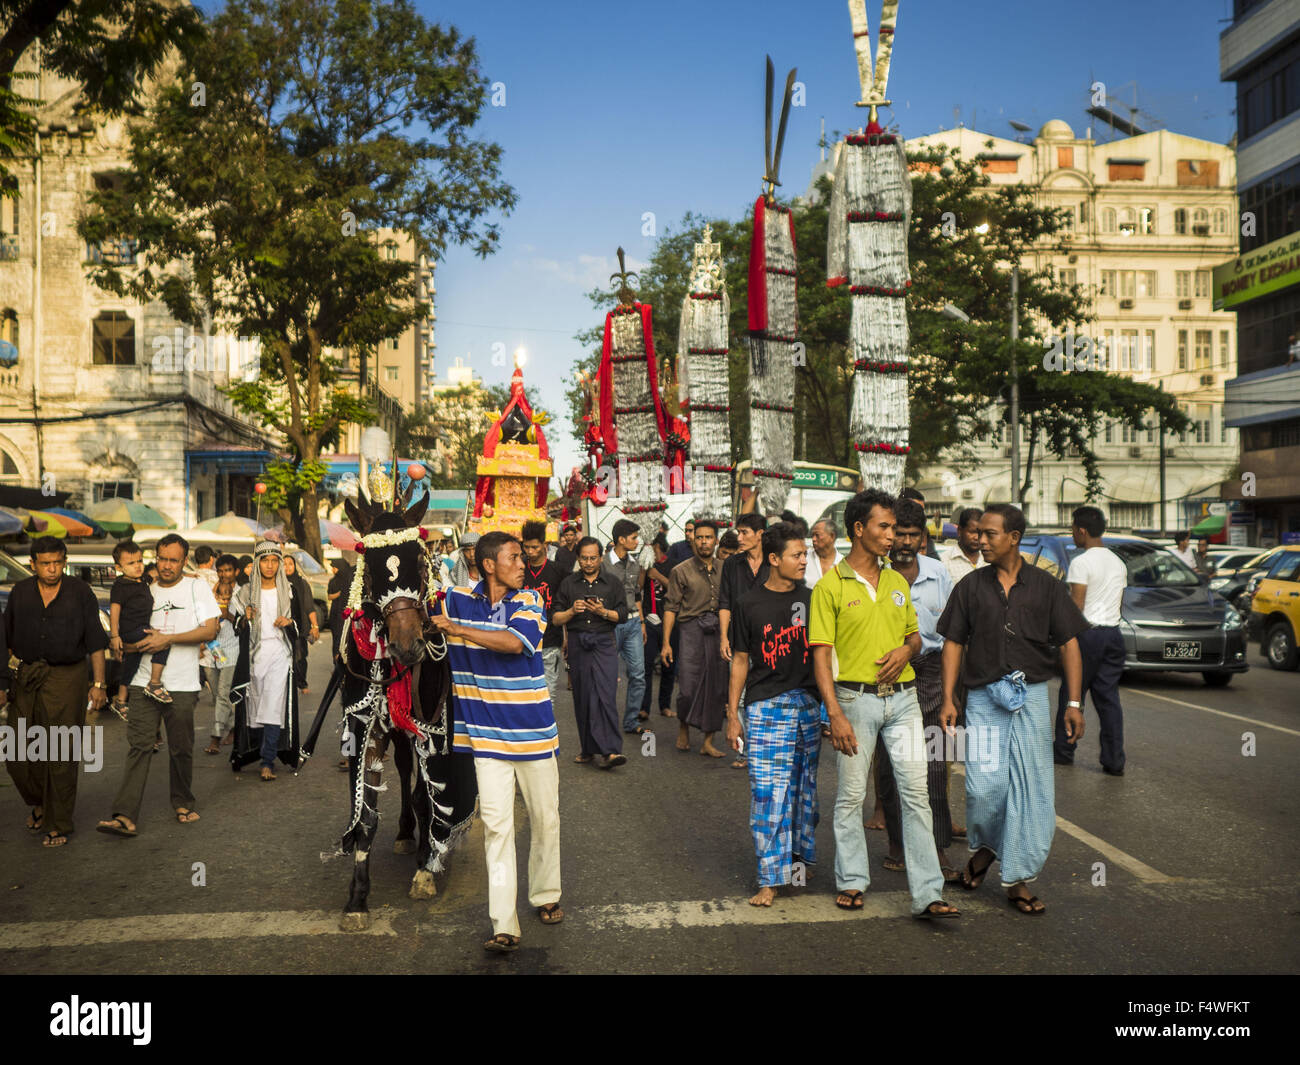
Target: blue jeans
point(270, 744)
point(631, 650)
point(898, 719)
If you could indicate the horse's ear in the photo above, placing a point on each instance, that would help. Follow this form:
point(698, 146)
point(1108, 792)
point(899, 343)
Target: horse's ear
point(414, 514)
point(359, 513)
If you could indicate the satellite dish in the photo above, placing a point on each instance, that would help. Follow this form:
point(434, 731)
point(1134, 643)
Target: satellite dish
point(1019, 126)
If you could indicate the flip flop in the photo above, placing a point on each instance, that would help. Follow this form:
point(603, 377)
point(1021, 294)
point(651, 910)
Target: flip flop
point(550, 913)
point(502, 943)
point(615, 760)
point(186, 816)
point(1026, 905)
point(116, 827)
point(35, 820)
point(894, 865)
point(54, 839)
point(856, 902)
point(970, 879)
point(212, 748)
point(930, 913)
point(950, 875)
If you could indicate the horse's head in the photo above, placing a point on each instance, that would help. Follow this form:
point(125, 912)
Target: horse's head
point(397, 574)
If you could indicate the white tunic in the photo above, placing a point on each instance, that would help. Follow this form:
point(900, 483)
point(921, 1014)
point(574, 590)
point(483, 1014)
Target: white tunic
point(269, 672)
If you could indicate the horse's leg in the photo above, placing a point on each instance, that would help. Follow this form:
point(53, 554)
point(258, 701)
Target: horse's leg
point(406, 827)
point(422, 884)
point(356, 918)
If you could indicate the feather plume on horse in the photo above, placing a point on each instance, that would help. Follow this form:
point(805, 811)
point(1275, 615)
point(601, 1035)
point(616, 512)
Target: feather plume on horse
point(395, 681)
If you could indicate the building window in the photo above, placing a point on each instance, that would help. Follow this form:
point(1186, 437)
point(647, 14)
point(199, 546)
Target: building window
point(1149, 351)
point(111, 252)
point(1108, 219)
point(1201, 424)
point(1069, 277)
point(1182, 349)
point(1109, 433)
point(390, 250)
point(9, 334)
point(1108, 283)
point(102, 490)
point(1066, 215)
point(1204, 348)
point(1180, 222)
point(1128, 353)
point(1220, 222)
point(1127, 221)
point(1146, 221)
point(1200, 222)
point(1225, 348)
point(1183, 284)
point(395, 343)
point(1083, 212)
point(391, 373)
point(1146, 282)
point(1130, 515)
point(1127, 284)
point(114, 339)
point(8, 468)
point(1203, 284)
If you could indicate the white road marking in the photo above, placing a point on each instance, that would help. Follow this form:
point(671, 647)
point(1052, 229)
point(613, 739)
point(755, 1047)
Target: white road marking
point(1125, 861)
point(1121, 858)
point(33, 935)
point(1211, 710)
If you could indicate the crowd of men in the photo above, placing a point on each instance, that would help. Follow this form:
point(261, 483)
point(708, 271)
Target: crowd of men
point(774, 640)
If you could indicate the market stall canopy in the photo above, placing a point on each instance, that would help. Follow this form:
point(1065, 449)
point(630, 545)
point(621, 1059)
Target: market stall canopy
point(69, 526)
point(64, 512)
point(1211, 525)
point(10, 523)
point(118, 516)
point(233, 525)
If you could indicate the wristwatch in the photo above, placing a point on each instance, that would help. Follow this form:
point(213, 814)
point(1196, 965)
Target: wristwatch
point(1075, 703)
point(100, 684)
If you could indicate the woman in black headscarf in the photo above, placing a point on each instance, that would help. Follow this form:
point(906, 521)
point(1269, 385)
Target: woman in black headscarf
point(340, 585)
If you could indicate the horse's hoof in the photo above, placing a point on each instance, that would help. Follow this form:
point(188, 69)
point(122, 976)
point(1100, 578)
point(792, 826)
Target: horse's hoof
point(404, 846)
point(423, 886)
point(354, 922)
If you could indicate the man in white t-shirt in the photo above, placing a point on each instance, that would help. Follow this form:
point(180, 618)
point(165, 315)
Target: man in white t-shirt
point(1183, 549)
point(185, 616)
point(1097, 579)
point(823, 556)
point(964, 556)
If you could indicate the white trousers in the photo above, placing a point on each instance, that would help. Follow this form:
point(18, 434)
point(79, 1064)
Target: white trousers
point(553, 661)
point(539, 783)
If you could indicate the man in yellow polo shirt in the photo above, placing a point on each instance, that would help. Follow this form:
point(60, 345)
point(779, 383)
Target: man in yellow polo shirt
point(862, 609)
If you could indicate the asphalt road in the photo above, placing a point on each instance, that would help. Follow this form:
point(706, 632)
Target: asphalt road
point(1198, 845)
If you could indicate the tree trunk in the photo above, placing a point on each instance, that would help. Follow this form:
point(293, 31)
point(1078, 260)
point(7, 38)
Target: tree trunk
point(308, 519)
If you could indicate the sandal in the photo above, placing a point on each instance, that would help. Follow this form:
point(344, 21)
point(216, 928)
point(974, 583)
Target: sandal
point(54, 839)
point(550, 913)
point(740, 763)
point(582, 759)
point(894, 865)
point(854, 903)
point(158, 694)
point(267, 775)
point(36, 820)
point(118, 707)
point(213, 746)
point(950, 875)
point(930, 911)
point(1030, 907)
point(502, 943)
point(116, 827)
point(971, 878)
point(185, 816)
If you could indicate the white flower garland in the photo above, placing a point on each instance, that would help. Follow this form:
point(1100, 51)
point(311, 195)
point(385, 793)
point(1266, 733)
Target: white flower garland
point(372, 542)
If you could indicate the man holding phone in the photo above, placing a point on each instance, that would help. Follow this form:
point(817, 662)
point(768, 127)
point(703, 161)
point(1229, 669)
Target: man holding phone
point(590, 604)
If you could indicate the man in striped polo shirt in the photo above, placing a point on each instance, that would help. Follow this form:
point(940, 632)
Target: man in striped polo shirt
point(504, 718)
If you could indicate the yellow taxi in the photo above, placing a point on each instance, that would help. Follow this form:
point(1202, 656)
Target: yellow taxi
point(1275, 608)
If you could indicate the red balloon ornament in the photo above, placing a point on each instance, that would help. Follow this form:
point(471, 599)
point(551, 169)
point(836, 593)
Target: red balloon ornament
point(259, 488)
point(415, 471)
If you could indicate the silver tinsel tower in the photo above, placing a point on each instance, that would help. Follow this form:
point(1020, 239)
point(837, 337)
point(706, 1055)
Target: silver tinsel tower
point(773, 326)
point(702, 358)
point(870, 209)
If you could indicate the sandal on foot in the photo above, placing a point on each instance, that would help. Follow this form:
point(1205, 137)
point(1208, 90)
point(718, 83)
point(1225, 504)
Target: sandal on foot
point(213, 747)
point(894, 865)
point(582, 759)
point(118, 707)
point(971, 878)
point(158, 694)
point(186, 816)
point(267, 775)
point(502, 943)
point(116, 827)
point(550, 913)
point(35, 820)
point(854, 903)
point(54, 839)
point(950, 875)
point(740, 763)
point(930, 911)
point(1030, 907)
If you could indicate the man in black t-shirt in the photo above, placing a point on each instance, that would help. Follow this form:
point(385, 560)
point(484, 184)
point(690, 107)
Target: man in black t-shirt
point(772, 666)
point(545, 576)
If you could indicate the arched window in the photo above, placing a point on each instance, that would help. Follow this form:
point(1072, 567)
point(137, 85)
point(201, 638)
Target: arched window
point(1108, 220)
point(9, 347)
point(1147, 221)
point(1127, 221)
point(1220, 222)
point(1200, 222)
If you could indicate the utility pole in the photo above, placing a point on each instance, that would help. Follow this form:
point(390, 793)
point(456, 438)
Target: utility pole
point(1163, 530)
point(1015, 386)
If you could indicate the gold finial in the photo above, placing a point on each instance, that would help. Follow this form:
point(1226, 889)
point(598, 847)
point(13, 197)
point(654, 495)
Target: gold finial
point(626, 295)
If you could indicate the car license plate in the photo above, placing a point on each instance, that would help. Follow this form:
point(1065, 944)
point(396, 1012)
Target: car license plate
point(1183, 650)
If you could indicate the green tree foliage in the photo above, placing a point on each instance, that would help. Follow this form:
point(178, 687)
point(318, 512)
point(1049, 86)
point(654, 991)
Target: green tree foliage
point(256, 200)
point(112, 47)
point(960, 372)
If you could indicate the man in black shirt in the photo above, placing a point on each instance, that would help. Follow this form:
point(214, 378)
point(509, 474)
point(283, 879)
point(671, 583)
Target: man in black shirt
point(565, 557)
point(654, 589)
point(589, 604)
point(545, 576)
point(683, 549)
point(772, 665)
point(50, 625)
point(741, 572)
point(1008, 617)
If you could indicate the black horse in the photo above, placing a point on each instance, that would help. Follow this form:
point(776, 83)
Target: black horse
point(396, 684)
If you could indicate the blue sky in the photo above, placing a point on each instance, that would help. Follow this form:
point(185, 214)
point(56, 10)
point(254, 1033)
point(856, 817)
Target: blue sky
point(615, 110)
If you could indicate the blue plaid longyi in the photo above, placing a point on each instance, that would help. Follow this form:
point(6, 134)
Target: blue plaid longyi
point(784, 738)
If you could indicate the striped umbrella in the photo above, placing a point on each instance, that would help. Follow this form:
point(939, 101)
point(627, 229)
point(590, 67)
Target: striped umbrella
point(330, 532)
point(65, 512)
point(10, 523)
point(119, 515)
point(70, 526)
point(233, 525)
point(30, 524)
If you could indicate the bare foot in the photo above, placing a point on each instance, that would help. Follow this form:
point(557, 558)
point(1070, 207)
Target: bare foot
point(711, 751)
point(764, 897)
point(877, 818)
point(683, 738)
